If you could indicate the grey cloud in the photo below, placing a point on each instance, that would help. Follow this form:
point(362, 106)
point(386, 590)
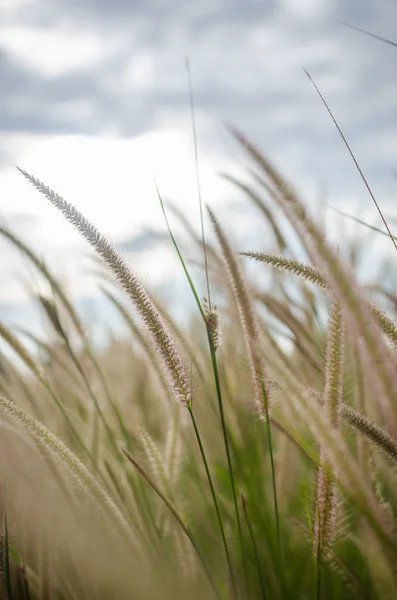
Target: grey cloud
point(246, 59)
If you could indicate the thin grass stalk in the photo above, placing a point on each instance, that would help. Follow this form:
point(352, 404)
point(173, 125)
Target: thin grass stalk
point(355, 162)
point(254, 546)
point(301, 336)
point(257, 200)
point(159, 372)
point(177, 517)
point(222, 418)
point(361, 402)
point(196, 162)
point(6, 557)
point(57, 288)
point(21, 581)
point(211, 252)
point(43, 269)
point(251, 334)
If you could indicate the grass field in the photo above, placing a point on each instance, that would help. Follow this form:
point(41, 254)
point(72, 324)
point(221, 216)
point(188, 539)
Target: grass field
point(251, 455)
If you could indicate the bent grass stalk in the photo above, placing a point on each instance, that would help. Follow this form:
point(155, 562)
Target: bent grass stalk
point(6, 557)
point(254, 546)
point(251, 334)
point(176, 515)
point(387, 325)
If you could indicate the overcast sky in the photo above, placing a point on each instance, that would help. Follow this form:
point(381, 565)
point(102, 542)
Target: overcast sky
point(94, 101)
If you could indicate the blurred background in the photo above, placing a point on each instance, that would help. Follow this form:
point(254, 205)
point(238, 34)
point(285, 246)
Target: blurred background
point(94, 101)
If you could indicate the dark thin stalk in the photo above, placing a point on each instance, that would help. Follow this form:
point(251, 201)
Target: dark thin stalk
point(7, 570)
point(215, 501)
point(255, 547)
point(218, 391)
point(319, 557)
point(228, 456)
point(357, 220)
point(273, 469)
point(373, 35)
point(354, 160)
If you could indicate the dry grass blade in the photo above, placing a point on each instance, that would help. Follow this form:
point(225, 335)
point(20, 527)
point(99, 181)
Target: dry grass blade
point(373, 432)
point(175, 514)
point(387, 325)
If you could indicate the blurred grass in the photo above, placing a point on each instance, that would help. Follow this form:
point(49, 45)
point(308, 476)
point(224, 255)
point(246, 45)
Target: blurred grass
point(115, 485)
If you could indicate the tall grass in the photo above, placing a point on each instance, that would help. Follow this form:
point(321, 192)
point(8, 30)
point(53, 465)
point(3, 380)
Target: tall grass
point(252, 455)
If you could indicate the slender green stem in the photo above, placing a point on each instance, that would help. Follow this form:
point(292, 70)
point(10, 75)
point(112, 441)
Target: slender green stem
point(228, 456)
point(273, 469)
point(25, 584)
point(7, 570)
point(218, 393)
point(319, 551)
point(255, 547)
point(215, 501)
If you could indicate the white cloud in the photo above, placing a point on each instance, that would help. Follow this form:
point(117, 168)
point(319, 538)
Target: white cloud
point(308, 9)
point(111, 181)
point(55, 51)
